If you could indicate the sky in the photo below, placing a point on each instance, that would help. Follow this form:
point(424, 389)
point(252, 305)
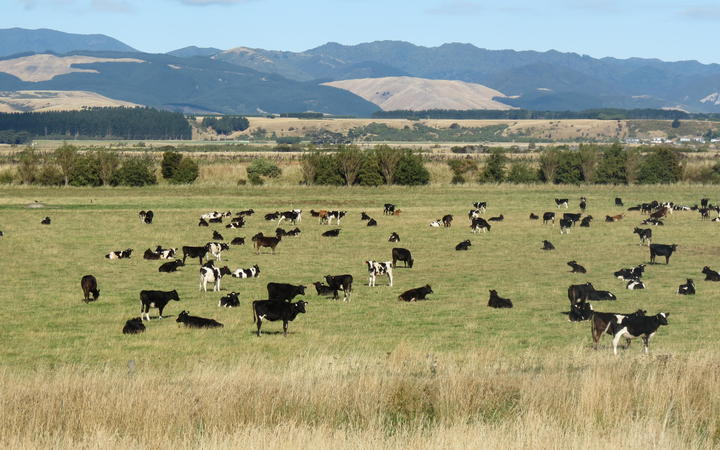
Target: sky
point(668, 30)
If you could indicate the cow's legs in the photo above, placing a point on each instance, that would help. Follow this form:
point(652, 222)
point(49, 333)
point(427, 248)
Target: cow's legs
point(259, 324)
point(616, 339)
point(646, 341)
point(285, 327)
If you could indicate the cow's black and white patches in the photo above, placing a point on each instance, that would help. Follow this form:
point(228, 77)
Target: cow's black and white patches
point(635, 284)
point(232, 300)
point(688, 288)
point(212, 275)
point(376, 268)
point(252, 272)
point(634, 327)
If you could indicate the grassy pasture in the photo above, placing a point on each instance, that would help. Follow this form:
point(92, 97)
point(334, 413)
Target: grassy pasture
point(368, 367)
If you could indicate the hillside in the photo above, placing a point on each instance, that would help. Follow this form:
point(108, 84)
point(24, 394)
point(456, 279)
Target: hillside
point(21, 40)
point(408, 93)
point(38, 101)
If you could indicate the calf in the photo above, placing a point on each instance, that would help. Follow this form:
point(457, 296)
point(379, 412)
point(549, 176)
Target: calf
point(45, 221)
point(548, 217)
point(247, 212)
point(394, 237)
point(633, 327)
point(534, 216)
point(252, 272)
point(389, 209)
point(585, 222)
point(134, 326)
point(499, 218)
point(155, 299)
point(572, 216)
point(324, 290)
point(203, 223)
point(618, 201)
point(630, 274)
point(478, 224)
point(216, 249)
point(197, 322)
point(165, 253)
point(294, 232)
point(635, 284)
point(265, 241)
point(710, 275)
point(149, 254)
point(237, 222)
point(332, 233)
point(645, 235)
point(232, 300)
point(212, 275)
point(601, 295)
point(688, 288)
point(578, 293)
point(397, 212)
point(436, 223)
point(447, 220)
point(661, 250)
point(416, 294)
point(580, 312)
point(480, 206)
point(238, 241)
point(284, 292)
point(88, 283)
point(119, 254)
point(614, 218)
point(402, 254)
point(337, 215)
point(364, 216)
point(171, 266)
point(561, 202)
point(272, 216)
point(149, 215)
point(583, 204)
point(217, 236)
point(376, 268)
point(496, 301)
point(547, 245)
point(464, 245)
point(576, 268)
point(606, 322)
point(194, 252)
point(565, 225)
point(272, 311)
point(372, 223)
point(340, 283)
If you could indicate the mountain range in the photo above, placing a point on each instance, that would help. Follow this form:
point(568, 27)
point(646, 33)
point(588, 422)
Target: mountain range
point(249, 81)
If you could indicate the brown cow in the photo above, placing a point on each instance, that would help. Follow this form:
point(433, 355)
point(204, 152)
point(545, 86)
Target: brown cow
point(323, 215)
point(397, 212)
point(265, 241)
point(614, 218)
point(660, 213)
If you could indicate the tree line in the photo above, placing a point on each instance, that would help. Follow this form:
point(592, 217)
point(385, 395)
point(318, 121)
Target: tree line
point(523, 114)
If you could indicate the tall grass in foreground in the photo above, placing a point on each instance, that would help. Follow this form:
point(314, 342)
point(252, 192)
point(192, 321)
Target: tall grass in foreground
point(407, 399)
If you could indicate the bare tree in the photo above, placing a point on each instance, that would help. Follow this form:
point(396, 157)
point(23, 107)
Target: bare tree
point(388, 159)
point(349, 162)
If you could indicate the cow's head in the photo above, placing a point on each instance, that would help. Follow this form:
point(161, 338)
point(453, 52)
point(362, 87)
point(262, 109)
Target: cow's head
point(673, 247)
point(662, 318)
point(301, 290)
point(428, 289)
point(182, 316)
point(300, 306)
point(225, 270)
point(174, 295)
point(96, 294)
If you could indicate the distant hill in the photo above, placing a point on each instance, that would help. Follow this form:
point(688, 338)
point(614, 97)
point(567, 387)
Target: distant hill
point(192, 51)
point(40, 101)
point(418, 94)
point(20, 40)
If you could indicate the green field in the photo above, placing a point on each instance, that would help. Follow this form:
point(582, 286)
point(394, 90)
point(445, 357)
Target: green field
point(48, 330)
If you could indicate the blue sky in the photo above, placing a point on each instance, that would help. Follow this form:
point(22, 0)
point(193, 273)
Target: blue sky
point(668, 30)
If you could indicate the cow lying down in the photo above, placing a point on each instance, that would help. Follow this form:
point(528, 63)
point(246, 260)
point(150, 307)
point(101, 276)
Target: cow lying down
point(197, 322)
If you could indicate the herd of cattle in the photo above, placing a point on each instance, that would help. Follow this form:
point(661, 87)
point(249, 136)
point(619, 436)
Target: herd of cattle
point(279, 306)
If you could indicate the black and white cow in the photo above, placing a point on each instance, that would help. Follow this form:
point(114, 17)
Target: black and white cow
point(203, 223)
point(481, 206)
point(236, 222)
point(337, 215)
point(402, 254)
point(464, 245)
point(155, 299)
point(585, 222)
point(171, 266)
point(293, 216)
point(635, 284)
point(134, 326)
point(559, 202)
point(548, 217)
point(496, 301)
point(655, 222)
point(547, 245)
point(394, 237)
point(634, 327)
point(332, 233)
point(413, 295)
point(273, 310)
point(232, 300)
point(662, 250)
point(606, 322)
point(710, 275)
point(688, 288)
point(389, 209)
point(376, 268)
point(211, 274)
point(645, 235)
point(252, 272)
point(119, 254)
point(88, 283)
point(197, 322)
point(284, 292)
point(572, 216)
point(630, 274)
point(436, 223)
point(166, 253)
point(216, 249)
point(340, 283)
point(478, 224)
point(565, 225)
point(576, 268)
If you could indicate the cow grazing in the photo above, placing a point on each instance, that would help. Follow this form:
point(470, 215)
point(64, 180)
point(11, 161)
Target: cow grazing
point(134, 326)
point(447, 220)
point(194, 252)
point(324, 290)
point(212, 275)
point(559, 202)
point(203, 223)
point(614, 218)
point(634, 327)
point(119, 254)
point(252, 272)
point(45, 221)
point(217, 236)
point(340, 283)
point(478, 224)
point(197, 322)
point(155, 299)
point(171, 266)
point(710, 275)
point(547, 245)
point(364, 216)
point(88, 283)
point(232, 300)
point(618, 201)
point(534, 216)
point(601, 295)
point(499, 218)
point(496, 301)
point(464, 245)
point(265, 241)
point(238, 241)
point(580, 312)
point(394, 237)
point(548, 217)
point(416, 294)
point(272, 311)
point(688, 288)
point(332, 233)
point(585, 222)
point(635, 284)
point(565, 225)
point(606, 322)
point(436, 223)
point(480, 206)
point(583, 204)
point(284, 292)
point(402, 254)
point(216, 249)
point(376, 268)
point(576, 268)
point(661, 250)
point(389, 209)
point(645, 235)
point(372, 223)
point(578, 293)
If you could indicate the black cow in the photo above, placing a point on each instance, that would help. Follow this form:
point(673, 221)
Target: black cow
point(464, 245)
point(447, 220)
point(496, 301)
point(576, 268)
point(583, 204)
point(630, 274)
point(149, 254)
point(372, 223)
point(548, 217)
point(416, 294)
point(238, 241)
point(247, 212)
point(561, 202)
point(232, 300)
point(661, 250)
point(363, 216)
point(324, 290)
point(710, 275)
point(572, 216)
point(197, 322)
point(704, 202)
point(499, 218)
point(203, 223)
point(272, 216)
point(688, 288)
point(565, 225)
point(194, 252)
point(294, 232)
point(217, 236)
point(45, 221)
point(651, 221)
point(171, 266)
point(155, 299)
point(402, 254)
point(606, 322)
point(394, 237)
point(340, 283)
point(478, 223)
point(618, 201)
point(280, 232)
point(547, 245)
point(218, 219)
point(601, 295)
point(149, 215)
point(88, 283)
point(633, 327)
point(534, 216)
point(283, 292)
point(272, 311)
point(580, 312)
point(578, 293)
point(332, 233)
point(134, 326)
point(645, 235)
point(585, 222)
